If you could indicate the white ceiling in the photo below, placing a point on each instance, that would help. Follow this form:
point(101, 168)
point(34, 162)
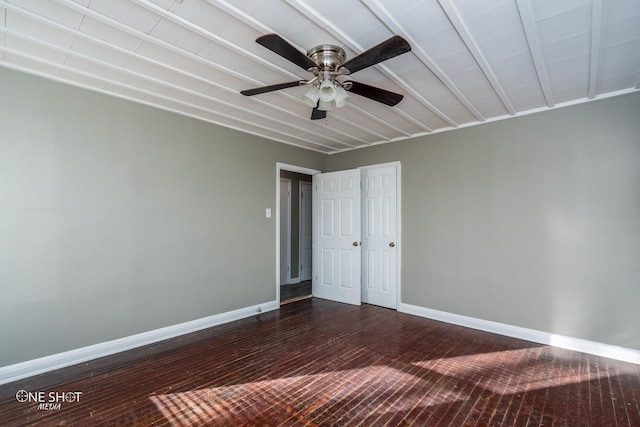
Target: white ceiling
point(471, 61)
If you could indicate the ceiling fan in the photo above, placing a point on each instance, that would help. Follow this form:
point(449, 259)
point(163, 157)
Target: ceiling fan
point(327, 63)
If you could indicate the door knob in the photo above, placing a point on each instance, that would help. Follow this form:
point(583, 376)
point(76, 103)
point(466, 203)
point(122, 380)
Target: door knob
point(392, 244)
point(355, 243)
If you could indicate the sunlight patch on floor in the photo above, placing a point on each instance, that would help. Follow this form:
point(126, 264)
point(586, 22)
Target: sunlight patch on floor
point(308, 397)
point(514, 371)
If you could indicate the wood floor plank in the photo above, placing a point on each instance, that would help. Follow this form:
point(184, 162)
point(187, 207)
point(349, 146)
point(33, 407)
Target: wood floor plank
point(319, 363)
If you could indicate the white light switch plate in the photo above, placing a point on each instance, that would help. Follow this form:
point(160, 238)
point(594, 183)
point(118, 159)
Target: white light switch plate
point(267, 213)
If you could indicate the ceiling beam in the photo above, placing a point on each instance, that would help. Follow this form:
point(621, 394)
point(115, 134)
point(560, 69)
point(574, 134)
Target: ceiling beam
point(104, 80)
point(262, 28)
point(387, 19)
point(79, 34)
point(165, 45)
point(243, 17)
point(328, 26)
point(533, 39)
point(597, 11)
point(197, 29)
point(191, 26)
point(470, 42)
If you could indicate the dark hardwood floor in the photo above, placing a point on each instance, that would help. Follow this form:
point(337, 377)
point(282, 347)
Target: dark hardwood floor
point(319, 363)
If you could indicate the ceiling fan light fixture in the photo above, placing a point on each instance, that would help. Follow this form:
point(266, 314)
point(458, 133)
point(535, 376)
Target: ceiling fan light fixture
point(325, 105)
point(311, 96)
point(327, 91)
point(342, 97)
point(327, 64)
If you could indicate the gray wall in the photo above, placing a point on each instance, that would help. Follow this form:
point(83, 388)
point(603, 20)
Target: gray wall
point(116, 218)
point(532, 221)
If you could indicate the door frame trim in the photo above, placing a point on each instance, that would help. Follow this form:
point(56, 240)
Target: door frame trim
point(287, 231)
point(291, 168)
point(300, 229)
point(398, 166)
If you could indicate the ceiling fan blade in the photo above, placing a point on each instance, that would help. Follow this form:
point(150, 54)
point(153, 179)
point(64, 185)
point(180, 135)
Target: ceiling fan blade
point(375, 93)
point(271, 88)
point(277, 44)
point(318, 114)
point(388, 49)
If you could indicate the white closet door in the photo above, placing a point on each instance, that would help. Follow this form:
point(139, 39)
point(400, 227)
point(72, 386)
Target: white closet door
point(379, 236)
point(336, 236)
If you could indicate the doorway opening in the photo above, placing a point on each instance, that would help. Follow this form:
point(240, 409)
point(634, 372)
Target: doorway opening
point(357, 242)
point(293, 216)
point(365, 269)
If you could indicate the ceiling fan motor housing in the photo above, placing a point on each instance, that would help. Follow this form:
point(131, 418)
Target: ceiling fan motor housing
point(327, 57)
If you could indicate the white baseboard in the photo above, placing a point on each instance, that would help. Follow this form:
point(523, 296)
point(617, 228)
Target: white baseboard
point(569, 343)
point(55, 361)
point(48, 363)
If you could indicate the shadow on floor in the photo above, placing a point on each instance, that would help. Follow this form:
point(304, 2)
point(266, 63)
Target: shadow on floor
point(295, 292)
